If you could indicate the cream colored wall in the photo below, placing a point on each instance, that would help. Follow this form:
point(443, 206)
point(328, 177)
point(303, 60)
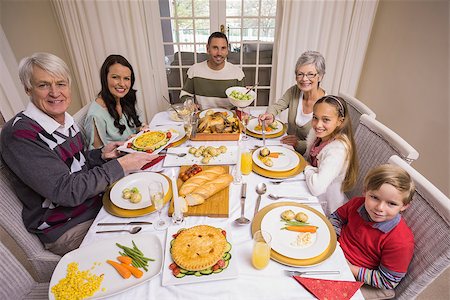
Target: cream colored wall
point(405, 80)
point(30, 26)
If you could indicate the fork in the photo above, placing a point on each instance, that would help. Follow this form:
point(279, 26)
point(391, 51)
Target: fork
point(300, 273)
point(286, 180)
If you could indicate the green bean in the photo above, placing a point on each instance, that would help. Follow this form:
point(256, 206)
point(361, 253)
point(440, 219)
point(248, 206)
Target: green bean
point(137, 257)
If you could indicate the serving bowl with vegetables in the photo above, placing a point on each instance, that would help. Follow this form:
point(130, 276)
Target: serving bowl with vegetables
point(240, 96)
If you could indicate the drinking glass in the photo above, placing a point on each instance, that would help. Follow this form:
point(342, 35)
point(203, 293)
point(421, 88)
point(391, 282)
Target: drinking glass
point(246, 160)
point(261, 249)
point(190, 122)
point(156, 192)
point(244, 120)
point(236, 173)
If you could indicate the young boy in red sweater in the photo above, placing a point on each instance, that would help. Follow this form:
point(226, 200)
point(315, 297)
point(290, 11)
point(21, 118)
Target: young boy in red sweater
point(377, 242)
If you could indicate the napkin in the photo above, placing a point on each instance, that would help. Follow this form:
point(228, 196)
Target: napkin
point(153, 162)
point(330, 289)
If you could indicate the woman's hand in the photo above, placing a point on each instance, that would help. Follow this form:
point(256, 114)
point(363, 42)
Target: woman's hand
point(135, 161)
point(269, 118)
point(291, 140)
point(110, 150)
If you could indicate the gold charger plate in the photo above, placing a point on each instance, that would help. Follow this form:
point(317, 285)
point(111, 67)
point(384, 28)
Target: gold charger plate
point(281, 174)
point(178, 143)
point(256, 225)
point(268, 136)
point(127, 213)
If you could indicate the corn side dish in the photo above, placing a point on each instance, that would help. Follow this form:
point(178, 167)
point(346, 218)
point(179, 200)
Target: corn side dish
point(77, 284)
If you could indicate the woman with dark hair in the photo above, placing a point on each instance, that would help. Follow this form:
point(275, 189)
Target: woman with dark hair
point(113, 115)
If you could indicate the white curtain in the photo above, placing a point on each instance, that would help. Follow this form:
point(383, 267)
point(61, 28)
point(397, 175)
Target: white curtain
point(340, 30)
point(13, 98)
point(95, 29)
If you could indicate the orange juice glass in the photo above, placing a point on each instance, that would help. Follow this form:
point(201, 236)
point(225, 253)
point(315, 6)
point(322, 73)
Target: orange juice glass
point(246, 162)
point(261, 249)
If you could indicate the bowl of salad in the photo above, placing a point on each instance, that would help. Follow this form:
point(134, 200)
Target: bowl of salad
point(239, 97)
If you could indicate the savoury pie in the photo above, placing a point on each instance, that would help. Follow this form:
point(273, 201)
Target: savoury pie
point(198, 247)
point(150, 140)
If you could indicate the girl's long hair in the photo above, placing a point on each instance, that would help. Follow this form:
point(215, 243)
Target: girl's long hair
point(344, 133)
point(128, 102)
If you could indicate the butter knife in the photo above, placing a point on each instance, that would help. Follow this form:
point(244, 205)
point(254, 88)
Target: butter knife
point(129, 223)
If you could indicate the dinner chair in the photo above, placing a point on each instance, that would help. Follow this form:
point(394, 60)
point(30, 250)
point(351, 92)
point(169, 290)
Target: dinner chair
point(356, 108)
point(16, 282)
point(375, 144)
point(429, 219)
point(42, 260)
point(79, 118)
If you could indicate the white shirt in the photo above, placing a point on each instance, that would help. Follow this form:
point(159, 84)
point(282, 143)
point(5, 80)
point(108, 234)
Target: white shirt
point(48, 123)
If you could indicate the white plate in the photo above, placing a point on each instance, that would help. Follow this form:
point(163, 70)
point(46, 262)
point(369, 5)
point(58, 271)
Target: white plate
point(103, 250)
point(282, 239)
point(168, 278)
point(286, 161)
point(253, 122)
point(203, 112)
point(178, 129)
point(140, 180)
point(228, 158)
point(124, 147)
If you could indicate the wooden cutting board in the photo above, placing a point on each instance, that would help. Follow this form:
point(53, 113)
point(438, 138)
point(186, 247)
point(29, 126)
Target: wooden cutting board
point(215, 206)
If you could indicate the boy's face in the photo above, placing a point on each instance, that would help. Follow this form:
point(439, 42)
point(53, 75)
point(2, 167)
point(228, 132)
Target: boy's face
point(384, 204)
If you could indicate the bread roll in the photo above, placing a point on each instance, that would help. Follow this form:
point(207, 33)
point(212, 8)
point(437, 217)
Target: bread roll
point(203, 192)
point(200, 178)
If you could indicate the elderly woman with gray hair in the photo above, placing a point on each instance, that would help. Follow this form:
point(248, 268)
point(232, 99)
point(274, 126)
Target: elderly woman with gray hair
point(300, 99)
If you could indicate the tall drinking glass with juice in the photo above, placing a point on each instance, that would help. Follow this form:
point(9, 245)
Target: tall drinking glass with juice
point(246, 162)
point(261, 249)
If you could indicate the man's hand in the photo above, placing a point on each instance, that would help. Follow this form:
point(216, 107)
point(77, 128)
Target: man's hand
point(135, 161)
point(269, 118)
point(110, 150)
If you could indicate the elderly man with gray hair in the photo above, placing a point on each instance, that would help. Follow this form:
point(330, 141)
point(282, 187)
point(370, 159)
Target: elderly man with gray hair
point(300, 99)
point(60, 183)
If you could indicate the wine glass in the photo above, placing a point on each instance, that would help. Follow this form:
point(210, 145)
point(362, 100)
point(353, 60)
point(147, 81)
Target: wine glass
point(156, 192)
point(244, 119)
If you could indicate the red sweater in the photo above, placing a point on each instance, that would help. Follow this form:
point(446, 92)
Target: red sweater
point(368, 244)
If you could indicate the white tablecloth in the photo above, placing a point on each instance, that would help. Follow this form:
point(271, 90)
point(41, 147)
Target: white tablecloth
point(269, 283)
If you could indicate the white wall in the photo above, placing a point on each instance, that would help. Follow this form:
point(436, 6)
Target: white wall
point(405, 80)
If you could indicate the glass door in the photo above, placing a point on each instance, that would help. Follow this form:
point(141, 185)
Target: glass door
point(249, 25)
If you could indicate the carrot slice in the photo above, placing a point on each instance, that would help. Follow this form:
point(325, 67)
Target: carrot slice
point(274, 154)
point(135, 271)
point(306, 228)
point(125, 259)
point(124, 272)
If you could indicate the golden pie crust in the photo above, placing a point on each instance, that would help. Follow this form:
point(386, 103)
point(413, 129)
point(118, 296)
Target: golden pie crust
point(198, 247)
point(151, 140)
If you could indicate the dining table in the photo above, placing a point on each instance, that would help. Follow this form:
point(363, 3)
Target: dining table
point(249, 283)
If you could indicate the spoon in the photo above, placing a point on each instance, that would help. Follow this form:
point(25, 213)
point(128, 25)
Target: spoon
point(276, 197)
point(243, 220)
point(133, 230)
point(261, 189)
point(171, 105)
point(248, 91)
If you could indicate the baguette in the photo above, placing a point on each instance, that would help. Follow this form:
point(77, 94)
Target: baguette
point(203, 192)
point(200, 179)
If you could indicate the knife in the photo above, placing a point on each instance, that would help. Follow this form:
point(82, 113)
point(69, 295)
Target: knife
point(129, 223)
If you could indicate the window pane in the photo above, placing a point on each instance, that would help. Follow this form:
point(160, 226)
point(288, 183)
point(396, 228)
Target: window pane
point(168, 54)
point(233, 8)
point(201, 48)
point(174, 96)
point(250, 30)
point(164, 8)
point(173, 77)
point(167, 33)
point(183, 8)
point(188, 48)
point(234, 29)
point(268, 8)
point(267, 30)
point(185, 73)
point(251, 7)
point(264, 76)
point(262, 97)
point(202, 30)
point(186, 30)
point(249, 75)
point(234, 56)
point(201, 8)
point(265, 54)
